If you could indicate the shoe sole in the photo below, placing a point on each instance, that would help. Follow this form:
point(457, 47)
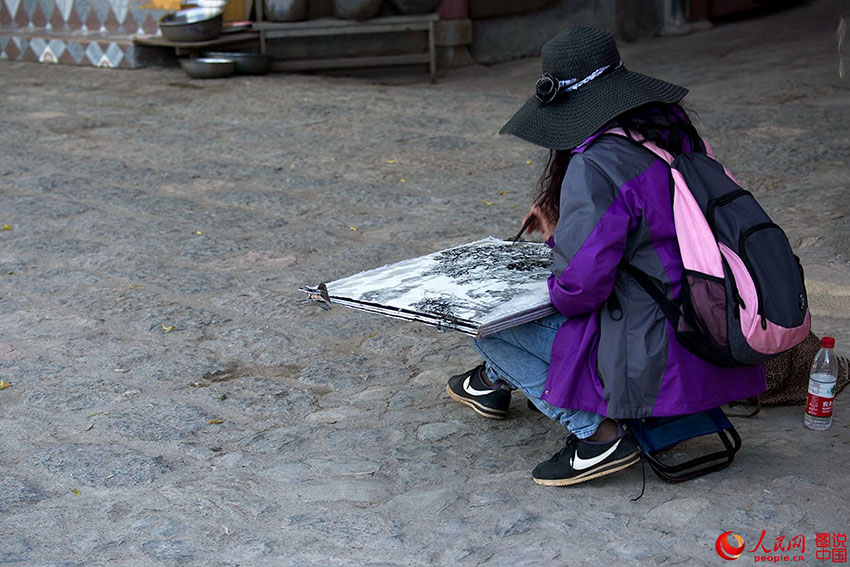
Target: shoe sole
point(610, 468)
point(481, 410)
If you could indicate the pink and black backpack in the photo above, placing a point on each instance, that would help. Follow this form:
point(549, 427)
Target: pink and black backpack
point(743, 298)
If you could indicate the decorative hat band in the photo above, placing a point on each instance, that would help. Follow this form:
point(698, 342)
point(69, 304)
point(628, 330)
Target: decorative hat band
point(548, 87)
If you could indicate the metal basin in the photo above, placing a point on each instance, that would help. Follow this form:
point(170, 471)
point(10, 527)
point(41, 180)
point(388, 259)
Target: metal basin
point(246, 63)
point(416, 6)
point(208, 68)
point(193, 24)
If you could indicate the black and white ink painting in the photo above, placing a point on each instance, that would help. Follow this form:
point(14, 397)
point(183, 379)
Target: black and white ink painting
point(477, 288)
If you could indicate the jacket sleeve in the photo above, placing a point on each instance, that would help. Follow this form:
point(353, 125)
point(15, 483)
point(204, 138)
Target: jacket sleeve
point(589, 239)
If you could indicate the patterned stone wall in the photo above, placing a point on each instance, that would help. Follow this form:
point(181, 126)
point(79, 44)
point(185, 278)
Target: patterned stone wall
point(74, 32)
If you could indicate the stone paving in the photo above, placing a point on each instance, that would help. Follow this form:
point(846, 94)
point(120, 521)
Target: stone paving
point(172, 404)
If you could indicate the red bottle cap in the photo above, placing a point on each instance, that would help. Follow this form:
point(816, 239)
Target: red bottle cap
point(827, 342)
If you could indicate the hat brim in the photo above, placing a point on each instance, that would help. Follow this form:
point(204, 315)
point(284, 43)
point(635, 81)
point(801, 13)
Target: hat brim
point(570, 119)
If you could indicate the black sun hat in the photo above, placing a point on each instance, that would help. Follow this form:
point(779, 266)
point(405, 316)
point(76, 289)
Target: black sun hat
point(584, 85)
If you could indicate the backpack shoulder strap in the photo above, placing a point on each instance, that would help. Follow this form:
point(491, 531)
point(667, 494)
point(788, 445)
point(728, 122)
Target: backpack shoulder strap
point(662, 154)
point(651, 146)
point(670, 310)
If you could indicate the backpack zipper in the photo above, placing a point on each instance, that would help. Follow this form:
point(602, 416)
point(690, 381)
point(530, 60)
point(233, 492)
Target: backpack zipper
point(721, 201)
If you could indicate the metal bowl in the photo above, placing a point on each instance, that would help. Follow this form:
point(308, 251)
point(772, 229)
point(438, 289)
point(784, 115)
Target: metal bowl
point(246, 63)
point(208, 68)
point(193, 24)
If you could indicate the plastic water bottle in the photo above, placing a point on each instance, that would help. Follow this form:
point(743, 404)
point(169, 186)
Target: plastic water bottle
point(822, 387)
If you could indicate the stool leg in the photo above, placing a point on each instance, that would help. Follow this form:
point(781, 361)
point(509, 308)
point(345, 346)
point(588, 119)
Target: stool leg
point(432, 51)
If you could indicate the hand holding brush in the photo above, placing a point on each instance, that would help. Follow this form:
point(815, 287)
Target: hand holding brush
point(536, 221)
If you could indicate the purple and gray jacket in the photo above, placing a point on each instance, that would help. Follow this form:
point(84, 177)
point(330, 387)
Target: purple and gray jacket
point(616, 354)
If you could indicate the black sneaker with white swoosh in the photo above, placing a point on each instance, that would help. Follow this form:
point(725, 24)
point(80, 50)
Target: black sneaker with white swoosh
point(469, 388)
point(580, 460)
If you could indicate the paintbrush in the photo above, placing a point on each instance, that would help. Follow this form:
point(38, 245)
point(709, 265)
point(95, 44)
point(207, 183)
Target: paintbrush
point(525, 226)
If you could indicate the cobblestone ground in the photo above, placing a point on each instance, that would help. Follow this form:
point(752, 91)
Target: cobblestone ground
point(171, 404)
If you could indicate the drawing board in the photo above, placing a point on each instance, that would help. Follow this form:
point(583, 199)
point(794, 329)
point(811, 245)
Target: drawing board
point(477, 288)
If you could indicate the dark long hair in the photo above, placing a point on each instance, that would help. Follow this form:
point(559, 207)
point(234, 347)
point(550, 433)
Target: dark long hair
point(667, 125)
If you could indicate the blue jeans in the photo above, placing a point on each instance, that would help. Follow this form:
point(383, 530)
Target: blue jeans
point(520, 357)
